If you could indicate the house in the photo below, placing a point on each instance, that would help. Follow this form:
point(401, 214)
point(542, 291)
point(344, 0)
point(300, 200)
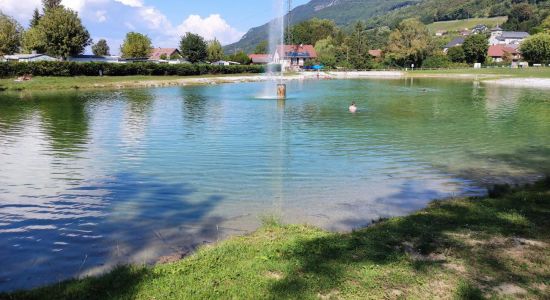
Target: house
point(454, 43)
point(224, 63)
point(465, 32)
point(293, 56)
point(260, 59)
point(95, 58)
point(164, 54)
point(29, 57)
point(376, 53)
point(500, 37)
point(498, 53)
point(480, 28)
point(440, 32)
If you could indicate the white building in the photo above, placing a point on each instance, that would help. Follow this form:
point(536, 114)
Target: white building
point(94, 58)
point(500, 37)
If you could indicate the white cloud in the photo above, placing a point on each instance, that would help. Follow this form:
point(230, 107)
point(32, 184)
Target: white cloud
point(131, 3)
point(76, 5)
point(101, 16)
point(213, 26)
point(129, 25)
point(155, 19)
point(21, 10)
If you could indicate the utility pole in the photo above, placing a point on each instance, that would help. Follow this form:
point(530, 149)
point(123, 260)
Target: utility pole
point(288, 22)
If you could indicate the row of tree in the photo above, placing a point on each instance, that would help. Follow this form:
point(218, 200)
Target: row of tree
point(59, 32)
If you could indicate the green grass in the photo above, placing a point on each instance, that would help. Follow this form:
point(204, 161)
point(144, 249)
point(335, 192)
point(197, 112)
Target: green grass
point(459, 25)
point(486, 73)
point(458, 249)
point(94, 82)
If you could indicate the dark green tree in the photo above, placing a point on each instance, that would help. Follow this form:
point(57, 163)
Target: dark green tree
point(536, 48)
point(10, 35)
point(193, 47)
point(101, 48)
point(475, 48)
point(357, 44)
point(35, 18)
point(262, 48)
point(456, 54)
point(59, 33)
point(240, 57)
point(136, 45)
point(310, 31)
point(51, 4)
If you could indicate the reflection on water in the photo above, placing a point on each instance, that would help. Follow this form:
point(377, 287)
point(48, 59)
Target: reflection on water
point(92, 179)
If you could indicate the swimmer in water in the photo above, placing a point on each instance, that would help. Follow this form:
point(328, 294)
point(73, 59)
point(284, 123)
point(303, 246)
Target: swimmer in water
point(352, 107)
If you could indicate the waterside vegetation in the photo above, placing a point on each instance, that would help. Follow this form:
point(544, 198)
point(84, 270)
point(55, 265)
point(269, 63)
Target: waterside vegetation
point(470, 248)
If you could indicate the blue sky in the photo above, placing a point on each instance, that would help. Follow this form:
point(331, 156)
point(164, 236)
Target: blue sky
point(162, 20)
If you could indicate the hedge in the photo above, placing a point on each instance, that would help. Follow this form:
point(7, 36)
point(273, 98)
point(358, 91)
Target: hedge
point(57, 68)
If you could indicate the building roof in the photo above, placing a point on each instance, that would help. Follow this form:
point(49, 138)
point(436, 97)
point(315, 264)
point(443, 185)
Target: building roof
point(456, 42)
point(496, 28)
point(25, 56)
point(158, 52)
point(376, 53)
point(499, 50)
point(296, 51)
point(260, 58)
point(513, 35)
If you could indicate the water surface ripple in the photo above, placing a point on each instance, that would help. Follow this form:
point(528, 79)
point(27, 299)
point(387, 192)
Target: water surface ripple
point(92, 179)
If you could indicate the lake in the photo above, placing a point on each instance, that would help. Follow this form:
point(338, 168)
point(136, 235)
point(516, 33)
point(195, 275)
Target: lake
point(91, 179)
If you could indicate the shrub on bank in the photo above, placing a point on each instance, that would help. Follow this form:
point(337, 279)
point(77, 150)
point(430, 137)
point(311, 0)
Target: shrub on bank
point(47, 68)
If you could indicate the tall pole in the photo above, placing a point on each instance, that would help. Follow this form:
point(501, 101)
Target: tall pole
point(288, 22)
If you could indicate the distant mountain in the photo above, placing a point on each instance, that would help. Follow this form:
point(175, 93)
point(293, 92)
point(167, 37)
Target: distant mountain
point(380, 13)
point(343, 12)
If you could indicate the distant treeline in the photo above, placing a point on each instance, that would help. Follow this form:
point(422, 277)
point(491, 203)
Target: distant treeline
point(57, 68)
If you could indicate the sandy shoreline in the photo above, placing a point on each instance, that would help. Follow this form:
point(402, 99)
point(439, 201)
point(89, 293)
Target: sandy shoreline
point(540, 83)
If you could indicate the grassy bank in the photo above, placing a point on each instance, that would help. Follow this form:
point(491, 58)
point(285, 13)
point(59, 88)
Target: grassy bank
point(94, 82)
point(466, 249)
point(458, 25)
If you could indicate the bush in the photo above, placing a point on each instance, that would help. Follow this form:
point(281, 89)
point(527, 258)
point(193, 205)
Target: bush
point(58, 68)
point(436, 61)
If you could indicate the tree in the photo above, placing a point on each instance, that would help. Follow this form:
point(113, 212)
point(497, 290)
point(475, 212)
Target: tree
point(410, 43)
point(51, 4)
point(214, 50)
point(240, 57)
point(10, 35)
point(536, 48)
point(311, 31)
point(326, 52)
point(136, 45)
point(35, 18)
point(359, 56)
point(59, 33)
point(262, 48)
point(456, 54)
point(475, 48)
point(193, 47)
point(101, 48)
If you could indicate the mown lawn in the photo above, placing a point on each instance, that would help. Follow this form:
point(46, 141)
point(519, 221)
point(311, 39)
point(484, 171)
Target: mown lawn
point(458, 25)
point(458, 249)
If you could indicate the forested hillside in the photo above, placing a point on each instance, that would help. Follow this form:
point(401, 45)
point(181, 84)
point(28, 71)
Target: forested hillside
point(525, 14)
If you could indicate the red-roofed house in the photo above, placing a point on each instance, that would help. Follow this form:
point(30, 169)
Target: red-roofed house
point(499, 52)
point(260, 59)
point(375, 53)
point(293, 56)
point(165, 53)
